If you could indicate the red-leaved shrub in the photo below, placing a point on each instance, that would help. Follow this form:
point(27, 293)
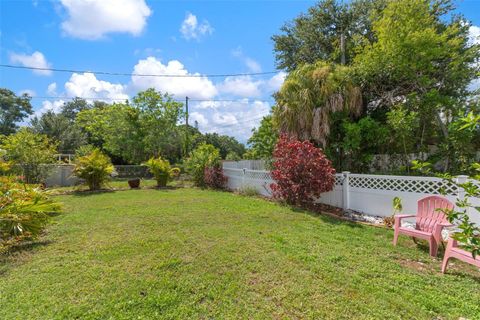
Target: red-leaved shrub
point(214, 177)
point(301, 172)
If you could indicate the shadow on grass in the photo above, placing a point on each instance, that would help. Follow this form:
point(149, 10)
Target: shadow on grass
point(8, 259)
point(86, 193)
point(328, 217)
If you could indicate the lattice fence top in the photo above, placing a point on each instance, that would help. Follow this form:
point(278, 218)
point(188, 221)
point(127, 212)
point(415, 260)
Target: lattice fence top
point(402, 184)
point(339, 179)
point(229, 172)
point(258, 175)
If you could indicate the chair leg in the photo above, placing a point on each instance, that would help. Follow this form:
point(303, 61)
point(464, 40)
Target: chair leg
point(395, 236)
point(433, 247)
point(445, 263)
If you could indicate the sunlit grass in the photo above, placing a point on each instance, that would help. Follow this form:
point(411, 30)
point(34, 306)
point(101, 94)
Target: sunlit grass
point(188, 254)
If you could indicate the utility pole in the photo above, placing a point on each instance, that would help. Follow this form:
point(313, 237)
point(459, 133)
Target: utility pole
point(187, 134)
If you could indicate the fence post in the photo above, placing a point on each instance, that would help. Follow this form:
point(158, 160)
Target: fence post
point(243, 178)
point(346, 190)
point(461, 192)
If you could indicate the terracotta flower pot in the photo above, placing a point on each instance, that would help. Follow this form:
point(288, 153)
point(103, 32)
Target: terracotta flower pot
point(134, 183)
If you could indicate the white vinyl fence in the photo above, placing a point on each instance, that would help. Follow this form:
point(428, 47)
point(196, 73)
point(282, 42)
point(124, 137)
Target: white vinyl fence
point(369, 194)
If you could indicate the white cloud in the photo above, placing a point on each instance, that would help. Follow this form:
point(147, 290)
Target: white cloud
point(35, 60)
point(91, 19)
point(47, 105)
point(250, 63)
point(88, 86)
point(233, 118)
point(474, 34)
point(191, 29)
point(275, 82)
point(241, 86)
point(52, 89)
point(224, 118)
point(194, 87)
point(199, 118)
point(247, 87)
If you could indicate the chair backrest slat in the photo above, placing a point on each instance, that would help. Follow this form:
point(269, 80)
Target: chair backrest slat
point(428, 214)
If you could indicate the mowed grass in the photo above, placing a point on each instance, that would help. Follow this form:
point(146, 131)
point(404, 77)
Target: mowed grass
point(189, 254)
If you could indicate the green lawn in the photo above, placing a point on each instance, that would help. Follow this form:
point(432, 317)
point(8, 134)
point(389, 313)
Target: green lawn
point(187, 253)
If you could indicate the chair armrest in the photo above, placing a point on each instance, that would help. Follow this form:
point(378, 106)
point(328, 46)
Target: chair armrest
point(403, 216)
point(445, 225)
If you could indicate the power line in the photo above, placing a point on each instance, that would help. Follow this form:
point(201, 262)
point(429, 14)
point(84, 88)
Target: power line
point(124, 99)
point(140, 74)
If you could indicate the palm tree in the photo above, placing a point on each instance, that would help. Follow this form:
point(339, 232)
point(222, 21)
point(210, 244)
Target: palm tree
point(308, 97)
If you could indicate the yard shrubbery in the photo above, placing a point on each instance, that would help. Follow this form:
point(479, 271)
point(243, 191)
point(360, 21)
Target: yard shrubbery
point(95, 168)
point(24, 211)
point(205, 156)
point(301, 172)
point(161, 170)
point(214, 177)
point(29, 154)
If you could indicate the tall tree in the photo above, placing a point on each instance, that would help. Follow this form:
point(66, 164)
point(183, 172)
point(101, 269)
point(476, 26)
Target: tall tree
point(421, 60)
point(71, 108)
point(263, 140)
point(135, 132)
point(61, 129)
point(330, 31)
point(224, 144)
point(13, 109)
point(309, 96)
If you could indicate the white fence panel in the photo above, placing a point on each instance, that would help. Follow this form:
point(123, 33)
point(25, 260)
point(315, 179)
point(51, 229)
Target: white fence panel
point(369, 194)
point(373, 194)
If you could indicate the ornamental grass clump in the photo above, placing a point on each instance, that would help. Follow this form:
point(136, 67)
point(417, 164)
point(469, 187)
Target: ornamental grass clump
point(95, 168)
point(161, 170)
point(301, 172)
point(25, 210)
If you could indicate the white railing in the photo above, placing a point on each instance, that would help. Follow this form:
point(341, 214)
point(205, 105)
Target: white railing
point(369, 194)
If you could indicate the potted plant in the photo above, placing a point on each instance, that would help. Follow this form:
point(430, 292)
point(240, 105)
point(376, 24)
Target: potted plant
point(134, 183)
point(161, 170)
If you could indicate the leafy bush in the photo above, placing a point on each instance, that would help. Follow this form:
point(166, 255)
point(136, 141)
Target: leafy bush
point(29, 152)
point(214, 177)
point(204, 156)
point(301, 172)
point(161, 170)
point(24, 211)
point(95, 168)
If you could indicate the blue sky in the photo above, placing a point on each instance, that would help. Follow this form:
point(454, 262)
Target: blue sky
point(161, 37)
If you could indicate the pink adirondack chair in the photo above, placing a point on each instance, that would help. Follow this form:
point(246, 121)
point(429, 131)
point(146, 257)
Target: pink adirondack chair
point(453, 251)
point(429, 222)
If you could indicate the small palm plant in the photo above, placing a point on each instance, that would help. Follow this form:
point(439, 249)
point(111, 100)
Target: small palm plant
point(161, 170)
point(95, 168)
point(25, 210)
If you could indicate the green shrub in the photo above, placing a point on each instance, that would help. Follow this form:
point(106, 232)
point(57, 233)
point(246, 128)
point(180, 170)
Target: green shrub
point(24, 211)
point(29, 152)
point(95, 168)
point(201, 158)
point(161, 170)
